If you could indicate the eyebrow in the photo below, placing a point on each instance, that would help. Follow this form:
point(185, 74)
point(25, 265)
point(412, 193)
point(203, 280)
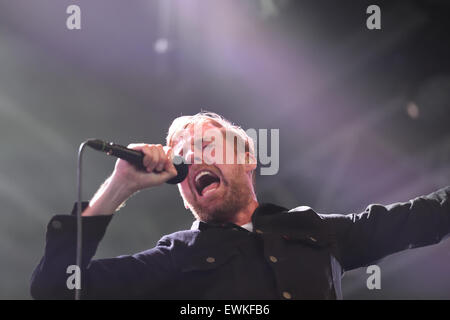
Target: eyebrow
point(179, 146)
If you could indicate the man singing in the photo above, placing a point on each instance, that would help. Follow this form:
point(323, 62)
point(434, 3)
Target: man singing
point(237, 248)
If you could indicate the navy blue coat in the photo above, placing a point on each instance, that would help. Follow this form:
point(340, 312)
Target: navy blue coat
point(291, 254)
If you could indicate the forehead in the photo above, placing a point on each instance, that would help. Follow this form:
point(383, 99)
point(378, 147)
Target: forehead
point(191, 130)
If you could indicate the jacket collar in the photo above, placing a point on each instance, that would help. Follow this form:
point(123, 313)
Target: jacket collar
point(263, 209)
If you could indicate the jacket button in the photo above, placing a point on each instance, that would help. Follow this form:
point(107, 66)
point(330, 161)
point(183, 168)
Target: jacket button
point(287, 295)
point(273, 259)
point(258, 231)
point(210, 260)
point(56, 224)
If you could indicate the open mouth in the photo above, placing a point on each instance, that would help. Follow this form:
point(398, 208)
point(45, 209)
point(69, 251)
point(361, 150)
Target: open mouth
point(206, 181)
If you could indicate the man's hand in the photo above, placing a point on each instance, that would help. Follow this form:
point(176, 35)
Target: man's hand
point(126, 179)
point(157, 161)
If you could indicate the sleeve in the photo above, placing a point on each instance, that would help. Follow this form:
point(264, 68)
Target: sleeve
point(123, 277)
point(362, 239)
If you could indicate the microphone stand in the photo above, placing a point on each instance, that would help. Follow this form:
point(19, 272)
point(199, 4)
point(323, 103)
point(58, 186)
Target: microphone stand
point(79, 220)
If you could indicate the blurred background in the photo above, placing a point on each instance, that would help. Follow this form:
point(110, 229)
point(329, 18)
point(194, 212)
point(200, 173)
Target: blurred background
point(363, 114)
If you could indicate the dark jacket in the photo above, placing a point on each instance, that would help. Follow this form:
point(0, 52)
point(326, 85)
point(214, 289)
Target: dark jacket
point(291, 254)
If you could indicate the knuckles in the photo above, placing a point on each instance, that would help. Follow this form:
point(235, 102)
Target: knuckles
point(153, 154)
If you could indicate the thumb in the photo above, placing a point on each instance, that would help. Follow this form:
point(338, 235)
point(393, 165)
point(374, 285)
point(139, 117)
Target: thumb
point(170, 169)
point(164, 176)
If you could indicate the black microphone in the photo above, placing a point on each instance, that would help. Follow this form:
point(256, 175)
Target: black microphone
point(135, 157)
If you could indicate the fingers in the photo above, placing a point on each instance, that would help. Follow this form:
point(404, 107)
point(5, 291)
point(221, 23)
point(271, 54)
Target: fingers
point(169, 166)
point(162, 158)
point(151, 157)
point(155, 157)
point(137, 146)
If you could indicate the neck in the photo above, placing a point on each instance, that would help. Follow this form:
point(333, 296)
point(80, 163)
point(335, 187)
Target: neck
point(244, 215)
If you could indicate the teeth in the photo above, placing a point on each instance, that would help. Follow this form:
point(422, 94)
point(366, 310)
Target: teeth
point(201, 174)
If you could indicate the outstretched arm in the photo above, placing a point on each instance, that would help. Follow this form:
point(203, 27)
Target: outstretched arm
point(382, 230)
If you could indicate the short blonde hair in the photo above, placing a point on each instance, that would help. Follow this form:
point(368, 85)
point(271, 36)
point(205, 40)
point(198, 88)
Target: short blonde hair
point(183, 122)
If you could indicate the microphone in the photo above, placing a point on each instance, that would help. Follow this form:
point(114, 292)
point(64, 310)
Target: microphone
point(135, 157)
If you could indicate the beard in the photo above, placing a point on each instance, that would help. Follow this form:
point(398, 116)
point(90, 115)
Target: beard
point(236, 197)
